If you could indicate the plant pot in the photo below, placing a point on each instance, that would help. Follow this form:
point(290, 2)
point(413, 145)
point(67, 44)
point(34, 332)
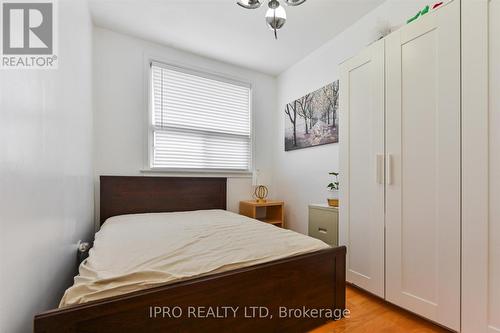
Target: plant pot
point(333, 198)
point(333, 202)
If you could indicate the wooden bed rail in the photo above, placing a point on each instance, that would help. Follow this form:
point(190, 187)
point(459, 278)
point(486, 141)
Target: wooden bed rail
point(310, 281)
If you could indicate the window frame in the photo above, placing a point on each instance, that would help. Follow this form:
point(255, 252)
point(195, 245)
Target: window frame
point(150, 129)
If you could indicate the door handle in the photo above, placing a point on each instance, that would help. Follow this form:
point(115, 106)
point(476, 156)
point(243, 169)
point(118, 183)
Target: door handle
point(322, 230)
point(379, 168)
point(390, 175)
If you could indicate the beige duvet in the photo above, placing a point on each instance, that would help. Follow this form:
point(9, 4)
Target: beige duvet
point(134, 252)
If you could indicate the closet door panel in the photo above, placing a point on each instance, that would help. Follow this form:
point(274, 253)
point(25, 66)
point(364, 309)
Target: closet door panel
point(362, 164)
point(481, 166)
point(423, 173)
point(494, 225)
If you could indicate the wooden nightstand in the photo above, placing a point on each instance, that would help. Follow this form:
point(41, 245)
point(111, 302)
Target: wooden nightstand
point(270, 212)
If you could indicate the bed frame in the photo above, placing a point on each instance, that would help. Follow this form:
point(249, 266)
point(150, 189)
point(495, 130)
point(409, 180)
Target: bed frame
point(310, 281)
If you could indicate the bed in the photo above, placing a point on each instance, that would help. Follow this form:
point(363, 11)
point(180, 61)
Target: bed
point(258, 269)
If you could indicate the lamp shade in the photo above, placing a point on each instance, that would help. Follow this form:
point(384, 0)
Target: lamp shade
point(249, 4)
point(255, 177)
point(294, 2)
point(276, 18)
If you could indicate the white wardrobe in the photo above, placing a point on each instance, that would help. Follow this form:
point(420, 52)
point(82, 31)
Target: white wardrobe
point(400, 127)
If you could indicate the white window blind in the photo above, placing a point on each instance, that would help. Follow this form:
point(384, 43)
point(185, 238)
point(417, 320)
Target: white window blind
point(199, 122)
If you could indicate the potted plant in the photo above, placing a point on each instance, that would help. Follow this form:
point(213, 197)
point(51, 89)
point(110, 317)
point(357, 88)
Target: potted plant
point(333, 187)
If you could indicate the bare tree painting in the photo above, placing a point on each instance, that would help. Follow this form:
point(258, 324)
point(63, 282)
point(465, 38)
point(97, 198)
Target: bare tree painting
point(291, 111)
point(305, 110)
point(313, 119)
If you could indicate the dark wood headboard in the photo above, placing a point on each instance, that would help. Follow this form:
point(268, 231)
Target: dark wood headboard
point(132, 195)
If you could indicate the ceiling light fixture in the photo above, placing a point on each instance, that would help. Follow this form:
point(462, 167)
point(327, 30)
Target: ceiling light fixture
point(275, 15)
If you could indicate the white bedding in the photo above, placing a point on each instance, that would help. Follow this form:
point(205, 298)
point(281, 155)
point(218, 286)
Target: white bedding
point(134, 252)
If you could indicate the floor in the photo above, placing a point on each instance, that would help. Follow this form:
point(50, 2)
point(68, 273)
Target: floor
point(370, 314)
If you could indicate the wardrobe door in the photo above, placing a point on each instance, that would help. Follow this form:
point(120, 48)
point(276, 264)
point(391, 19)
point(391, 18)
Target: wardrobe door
point(423, 166)
point(362, 167)
point(494, 146)
point(481, 166)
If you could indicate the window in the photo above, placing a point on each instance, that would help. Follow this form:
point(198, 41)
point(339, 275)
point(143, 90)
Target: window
point(199, 122)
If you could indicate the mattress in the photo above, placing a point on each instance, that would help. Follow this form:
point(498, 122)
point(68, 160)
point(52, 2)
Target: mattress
point(140, 251)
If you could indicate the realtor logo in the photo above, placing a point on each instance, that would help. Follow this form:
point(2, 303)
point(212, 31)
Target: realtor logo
point(28, 34)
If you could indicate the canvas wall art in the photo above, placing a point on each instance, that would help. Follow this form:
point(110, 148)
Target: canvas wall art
point(312, 120)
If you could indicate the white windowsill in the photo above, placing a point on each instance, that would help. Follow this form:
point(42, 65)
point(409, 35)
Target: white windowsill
point(198, 173)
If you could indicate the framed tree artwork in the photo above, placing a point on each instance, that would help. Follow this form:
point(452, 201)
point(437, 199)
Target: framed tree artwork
point(312, 120)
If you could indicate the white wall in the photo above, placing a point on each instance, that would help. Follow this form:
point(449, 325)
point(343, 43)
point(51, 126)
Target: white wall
point(301, 176)
point(45, 173)
point(121, 107)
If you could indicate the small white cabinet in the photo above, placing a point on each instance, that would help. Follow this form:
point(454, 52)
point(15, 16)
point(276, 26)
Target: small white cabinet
point(324, 223)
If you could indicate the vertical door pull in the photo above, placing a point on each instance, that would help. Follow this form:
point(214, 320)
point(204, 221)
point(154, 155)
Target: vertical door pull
point(379, 168)
point(390, 175)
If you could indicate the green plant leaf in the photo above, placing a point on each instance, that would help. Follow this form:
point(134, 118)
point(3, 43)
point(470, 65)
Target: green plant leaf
point(335, 185)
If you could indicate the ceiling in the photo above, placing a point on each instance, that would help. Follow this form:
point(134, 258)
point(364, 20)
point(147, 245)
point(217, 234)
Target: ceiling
point(222, 30)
